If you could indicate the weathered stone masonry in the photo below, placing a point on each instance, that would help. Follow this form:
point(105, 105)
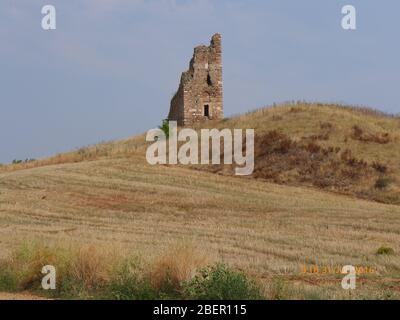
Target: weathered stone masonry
point(199, 96)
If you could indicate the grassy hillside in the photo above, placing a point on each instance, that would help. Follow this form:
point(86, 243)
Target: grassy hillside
point(274, 232)
point(347, 150)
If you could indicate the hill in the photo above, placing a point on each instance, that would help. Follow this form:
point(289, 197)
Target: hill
point(342, 149)
point(275, 231)
point(348, 150)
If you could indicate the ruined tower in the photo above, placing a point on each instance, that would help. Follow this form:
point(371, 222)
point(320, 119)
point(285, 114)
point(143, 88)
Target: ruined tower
point(199, 96)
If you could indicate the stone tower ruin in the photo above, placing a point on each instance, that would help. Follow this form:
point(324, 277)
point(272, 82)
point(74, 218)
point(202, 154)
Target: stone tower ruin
point(199, 96)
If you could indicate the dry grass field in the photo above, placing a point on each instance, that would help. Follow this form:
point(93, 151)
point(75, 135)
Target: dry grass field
point(107, 195)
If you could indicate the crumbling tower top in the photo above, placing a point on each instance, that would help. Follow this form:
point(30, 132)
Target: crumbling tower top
point(200, 92)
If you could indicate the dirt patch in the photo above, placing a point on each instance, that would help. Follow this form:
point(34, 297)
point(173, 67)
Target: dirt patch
point(19, 296)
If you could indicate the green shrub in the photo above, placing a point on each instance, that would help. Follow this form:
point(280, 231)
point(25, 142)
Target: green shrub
point(7, 281)
point(218, 282)
point(382, 183)
point(165, 127)
point(16, 161)
point(128, 285)
point(385, 250)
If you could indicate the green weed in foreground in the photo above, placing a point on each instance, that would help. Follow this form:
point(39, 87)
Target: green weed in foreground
point(385, 251)
point(219, 282)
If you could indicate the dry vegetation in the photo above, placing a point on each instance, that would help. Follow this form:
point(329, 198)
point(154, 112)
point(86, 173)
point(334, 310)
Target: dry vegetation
point(270, 231)
point(342, 149)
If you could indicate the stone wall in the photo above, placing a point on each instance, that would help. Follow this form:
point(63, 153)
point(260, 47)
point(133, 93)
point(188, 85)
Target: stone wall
point(199, 96)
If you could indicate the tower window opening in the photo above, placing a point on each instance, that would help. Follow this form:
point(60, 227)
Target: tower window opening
point(207, 110)
point(209, 82)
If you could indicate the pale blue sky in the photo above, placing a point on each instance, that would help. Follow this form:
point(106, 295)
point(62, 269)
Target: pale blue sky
point(111, 67)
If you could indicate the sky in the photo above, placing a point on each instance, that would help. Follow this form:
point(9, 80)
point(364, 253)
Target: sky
point(111, 67)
